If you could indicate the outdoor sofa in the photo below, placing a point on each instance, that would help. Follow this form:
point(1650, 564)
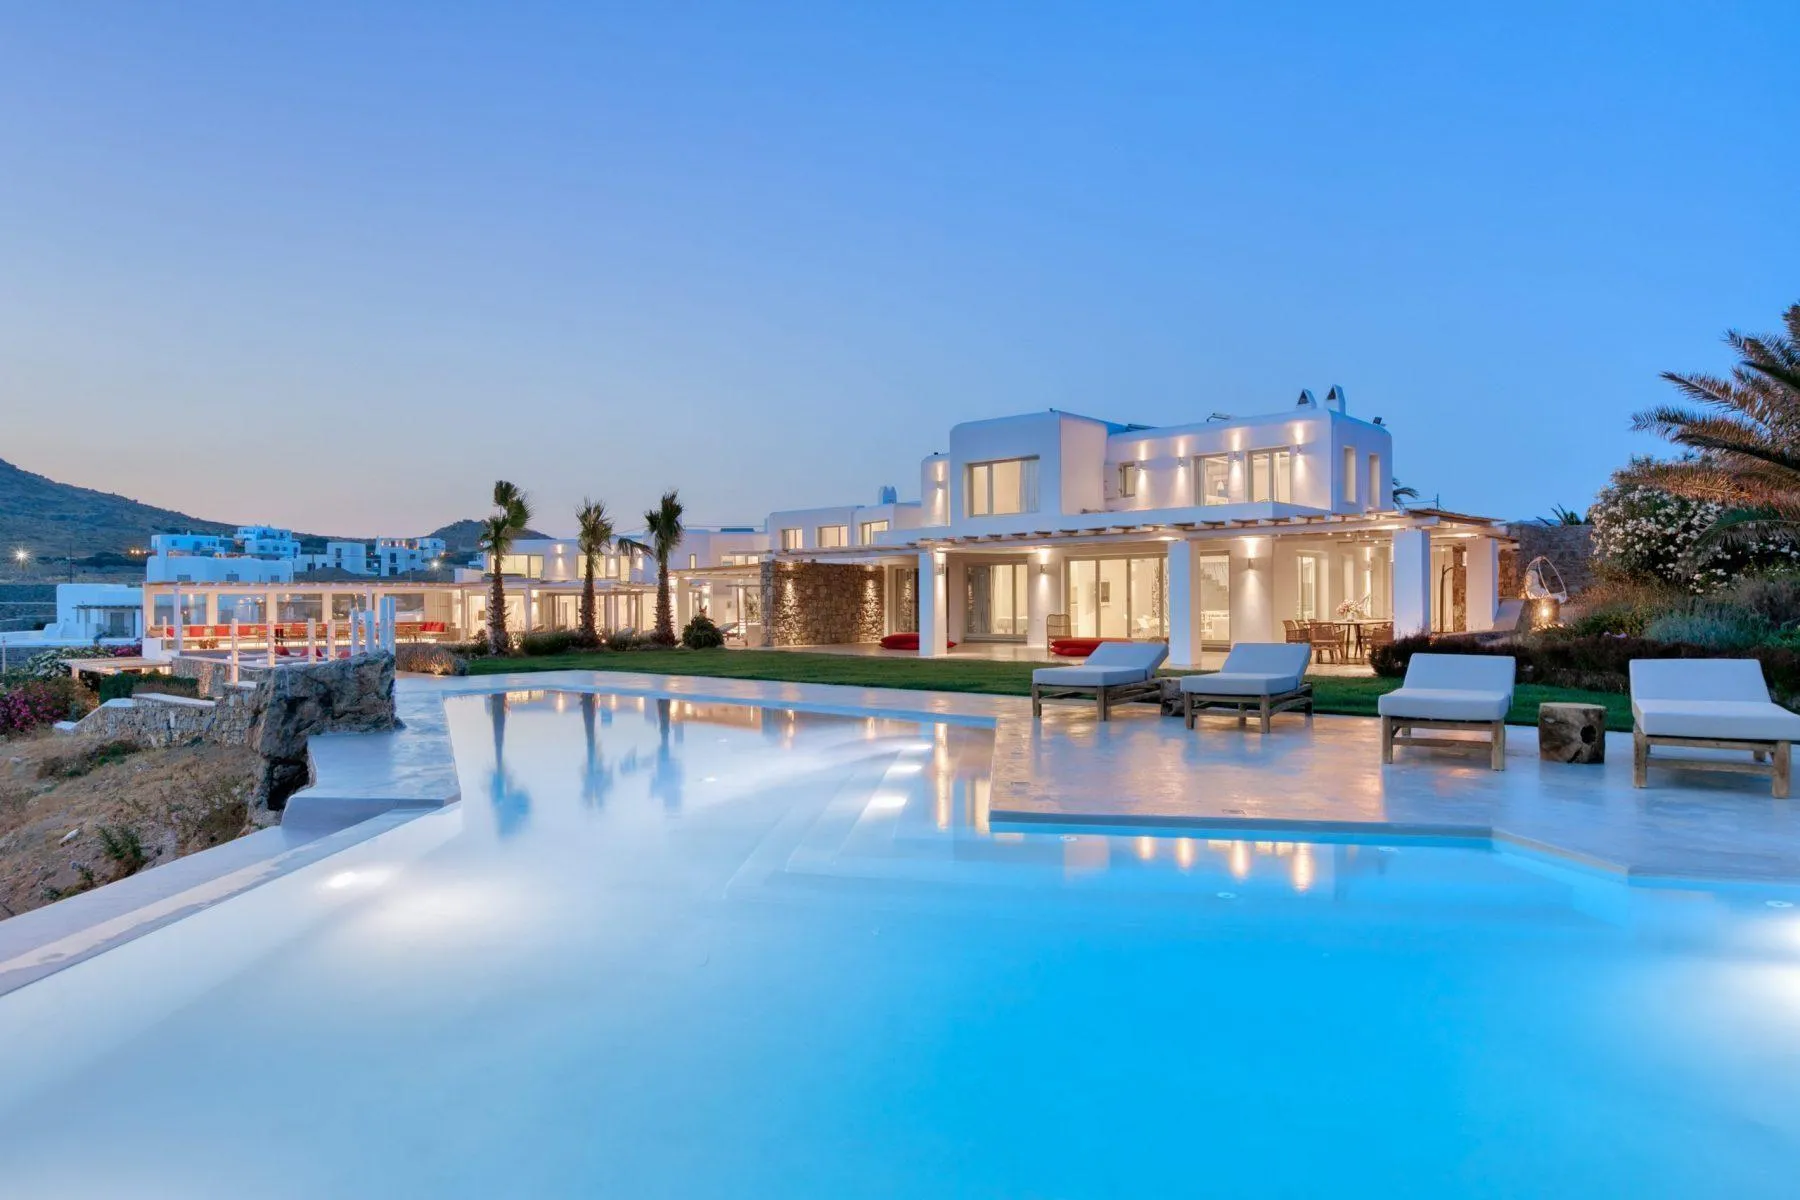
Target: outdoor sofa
point(1265, 677)
point(1710, 704)
point(1114, 673)
point(1450, 692)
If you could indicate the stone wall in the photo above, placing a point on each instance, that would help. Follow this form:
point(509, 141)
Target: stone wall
point(1569, 547)
point(822, 604)
point(273, 710)
point(156, 721)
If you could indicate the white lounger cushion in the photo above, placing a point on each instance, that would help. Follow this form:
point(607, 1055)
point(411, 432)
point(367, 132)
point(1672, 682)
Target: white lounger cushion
point(1453, 687)
point(1255, 669)
point(1111, 664)
point(1722, 698)
point(1088, 676)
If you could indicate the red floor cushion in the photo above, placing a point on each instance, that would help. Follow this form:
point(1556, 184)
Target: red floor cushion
point(903, 641)
point(1081, 647)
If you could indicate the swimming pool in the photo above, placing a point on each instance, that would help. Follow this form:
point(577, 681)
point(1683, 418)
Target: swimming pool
point(664, 948)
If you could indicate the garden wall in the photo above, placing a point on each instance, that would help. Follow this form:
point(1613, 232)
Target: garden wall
point(822, 604)
point(1570, 547)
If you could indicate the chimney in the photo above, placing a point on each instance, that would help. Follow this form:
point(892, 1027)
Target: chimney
point(1306, 399)
point(1334, 399)
point(887, 495)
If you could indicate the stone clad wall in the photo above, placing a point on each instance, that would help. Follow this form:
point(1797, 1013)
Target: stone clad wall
point(822, 604)
point(273, 710)
point(1570, 547)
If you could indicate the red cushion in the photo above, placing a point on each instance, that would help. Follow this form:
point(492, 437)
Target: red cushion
point(904, 641)
point(1081, 647)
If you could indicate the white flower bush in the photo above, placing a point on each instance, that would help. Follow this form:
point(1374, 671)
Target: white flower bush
point(1646, 533)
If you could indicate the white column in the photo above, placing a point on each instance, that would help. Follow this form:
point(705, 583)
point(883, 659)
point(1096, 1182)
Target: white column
point(1252, 585)
point(1412, 582)
point(1483, 583)
point(526, 608)
point(212, 608)
point(1184, 604)
point(934, 618)
point(1045, 595)
point(175, 615)
point(270, 613)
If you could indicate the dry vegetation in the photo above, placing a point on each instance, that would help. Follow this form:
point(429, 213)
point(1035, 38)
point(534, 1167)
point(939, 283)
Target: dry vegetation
point(78, 812)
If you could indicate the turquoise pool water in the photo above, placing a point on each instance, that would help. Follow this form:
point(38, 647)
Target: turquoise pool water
point(663, 949)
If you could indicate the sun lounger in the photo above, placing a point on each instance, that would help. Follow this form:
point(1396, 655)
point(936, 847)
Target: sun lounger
point(1267, 677)
point(1450, 691)
point(1115, 672)
point(1710, 704)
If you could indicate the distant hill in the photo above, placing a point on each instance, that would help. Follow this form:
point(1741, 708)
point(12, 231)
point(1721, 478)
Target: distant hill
point(47, 518)
point(461, 536)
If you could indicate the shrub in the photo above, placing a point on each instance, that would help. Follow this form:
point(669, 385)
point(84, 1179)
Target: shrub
point(427, 658)
point(556, 641)
point(702, 634)
point(115, 687)
point(1643, 532)
point(1621, 605)
point(1774, 597)
point(622, 639)
point(73, 766)
point(32, 703)
point(1390, 661)
point(1718, 627)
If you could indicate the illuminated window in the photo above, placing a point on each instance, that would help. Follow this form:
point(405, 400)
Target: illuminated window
point(1212, 479)
point(1271, 476)
point(1349, 481)
point(1128, 473)
point(1008, 485)
point(866, 533)
point(790, 539)
point(1374, 497)
point(831, 536)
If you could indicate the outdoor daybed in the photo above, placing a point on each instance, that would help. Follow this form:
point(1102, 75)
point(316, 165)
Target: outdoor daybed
point(1450, 691)
point(1267, 677)
point(1115, 672)
point(1710, 704)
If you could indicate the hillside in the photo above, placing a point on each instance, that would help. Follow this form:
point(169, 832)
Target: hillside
point(462, 536)
point(47, 518)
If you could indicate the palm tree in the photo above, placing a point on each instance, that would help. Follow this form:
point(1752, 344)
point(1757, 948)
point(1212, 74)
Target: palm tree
point(512, 511)
point(1742, 434)
point(593, 537)
point(663, 523)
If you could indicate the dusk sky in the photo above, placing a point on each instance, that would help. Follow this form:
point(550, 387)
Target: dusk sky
point(340, 266)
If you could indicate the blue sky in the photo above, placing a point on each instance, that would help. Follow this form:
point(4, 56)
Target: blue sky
point(339, 269)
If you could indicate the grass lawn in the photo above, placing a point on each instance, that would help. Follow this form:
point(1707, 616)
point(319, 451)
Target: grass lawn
point(1332, 693)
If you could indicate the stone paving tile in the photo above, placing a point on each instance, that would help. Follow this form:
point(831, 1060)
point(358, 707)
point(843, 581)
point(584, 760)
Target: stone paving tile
point(1143, 769)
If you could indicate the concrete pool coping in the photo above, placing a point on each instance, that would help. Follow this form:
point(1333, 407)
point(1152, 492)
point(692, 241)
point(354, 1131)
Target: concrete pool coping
point(1137, 772)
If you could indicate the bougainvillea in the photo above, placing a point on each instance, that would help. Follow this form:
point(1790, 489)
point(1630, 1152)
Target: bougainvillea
point(1645, 533)
point(29, 703)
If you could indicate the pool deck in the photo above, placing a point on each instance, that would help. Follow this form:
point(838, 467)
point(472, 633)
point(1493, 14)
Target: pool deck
point(1144, 770)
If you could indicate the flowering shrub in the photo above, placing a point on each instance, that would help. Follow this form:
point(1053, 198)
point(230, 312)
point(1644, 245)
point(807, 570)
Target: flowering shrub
point(33, 702)
point(49, 664)
point(1646, 533)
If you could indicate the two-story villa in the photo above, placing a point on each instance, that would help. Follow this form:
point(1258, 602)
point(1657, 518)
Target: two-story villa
point(1052, 523)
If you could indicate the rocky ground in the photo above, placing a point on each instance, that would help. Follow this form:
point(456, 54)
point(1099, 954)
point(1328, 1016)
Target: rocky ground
point(77, 812)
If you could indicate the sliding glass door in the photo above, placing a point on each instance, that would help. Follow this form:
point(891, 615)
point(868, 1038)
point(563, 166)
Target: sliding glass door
point(1118, 597)
point(996, 600)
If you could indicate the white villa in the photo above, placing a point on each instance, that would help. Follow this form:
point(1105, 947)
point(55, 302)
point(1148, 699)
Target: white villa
point(1029, 529)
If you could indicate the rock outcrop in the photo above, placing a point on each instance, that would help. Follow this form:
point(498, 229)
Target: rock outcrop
point(349, 695)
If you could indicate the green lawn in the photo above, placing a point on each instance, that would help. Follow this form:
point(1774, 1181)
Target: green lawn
point(1332, 693)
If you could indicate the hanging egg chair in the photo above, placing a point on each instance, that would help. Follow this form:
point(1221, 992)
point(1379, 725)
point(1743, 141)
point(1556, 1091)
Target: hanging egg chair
point(1538, 574)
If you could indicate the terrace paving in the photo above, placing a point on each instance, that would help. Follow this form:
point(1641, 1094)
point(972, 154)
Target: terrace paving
point(1143, 770)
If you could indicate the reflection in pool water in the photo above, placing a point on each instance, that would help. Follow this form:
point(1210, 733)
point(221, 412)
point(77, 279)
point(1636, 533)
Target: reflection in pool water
point(669, 948)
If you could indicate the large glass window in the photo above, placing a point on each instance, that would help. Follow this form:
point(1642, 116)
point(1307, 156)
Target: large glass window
point(833, 535)
point(1118, 597)
point(996, 600)
point(790, 539)
point(1212, 479)
point(528, 566)
point(866, 534)
point(1307, 582)
point(1008, 485)
point(1271, 476)
point(1215, 599)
